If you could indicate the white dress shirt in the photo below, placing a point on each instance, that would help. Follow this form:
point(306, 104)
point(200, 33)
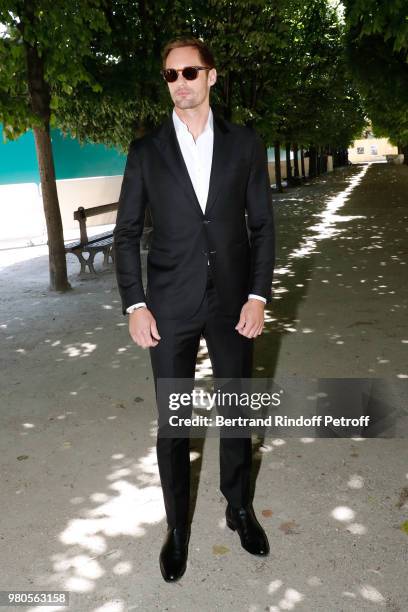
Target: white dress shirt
point(197, 155)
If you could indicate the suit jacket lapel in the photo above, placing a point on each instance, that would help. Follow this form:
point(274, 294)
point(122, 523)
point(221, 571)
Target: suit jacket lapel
point(222, 152)
point(169, 148)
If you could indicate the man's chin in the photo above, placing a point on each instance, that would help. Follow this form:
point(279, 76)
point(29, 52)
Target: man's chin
point(184, 103)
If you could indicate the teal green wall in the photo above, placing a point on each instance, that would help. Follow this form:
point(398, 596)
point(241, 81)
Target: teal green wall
point(75, 161)
point(18, 159)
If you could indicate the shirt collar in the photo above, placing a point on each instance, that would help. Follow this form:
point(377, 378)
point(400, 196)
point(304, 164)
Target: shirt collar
point(180, 125)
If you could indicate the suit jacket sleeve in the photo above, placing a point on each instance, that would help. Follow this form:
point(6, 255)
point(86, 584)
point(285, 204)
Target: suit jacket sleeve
point(260, 222)
point(128, 230)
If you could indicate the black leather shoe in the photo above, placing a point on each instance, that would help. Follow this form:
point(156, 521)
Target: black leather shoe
point(253, 537)
point(173, 555)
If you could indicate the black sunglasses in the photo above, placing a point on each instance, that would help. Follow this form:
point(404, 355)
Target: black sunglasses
point(189, 73)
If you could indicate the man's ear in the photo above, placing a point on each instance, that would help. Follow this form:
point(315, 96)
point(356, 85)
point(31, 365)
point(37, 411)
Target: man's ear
point(212, 77)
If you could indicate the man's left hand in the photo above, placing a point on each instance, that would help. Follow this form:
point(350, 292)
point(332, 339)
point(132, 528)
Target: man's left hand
point(251, 319)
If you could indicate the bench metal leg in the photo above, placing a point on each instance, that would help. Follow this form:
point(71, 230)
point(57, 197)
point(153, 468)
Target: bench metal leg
point(90, 262)
point(86, 263)
point(107, 252)
point(83, 263)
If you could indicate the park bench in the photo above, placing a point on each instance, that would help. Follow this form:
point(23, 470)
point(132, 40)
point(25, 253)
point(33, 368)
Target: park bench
point(99, 243)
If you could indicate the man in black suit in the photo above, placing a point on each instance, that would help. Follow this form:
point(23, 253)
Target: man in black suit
point(199, 175)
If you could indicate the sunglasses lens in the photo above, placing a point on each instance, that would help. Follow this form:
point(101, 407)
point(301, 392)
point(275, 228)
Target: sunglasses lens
point(170, 75)
point(190, 73)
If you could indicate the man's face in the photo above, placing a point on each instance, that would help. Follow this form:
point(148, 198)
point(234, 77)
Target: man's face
point(189, 94)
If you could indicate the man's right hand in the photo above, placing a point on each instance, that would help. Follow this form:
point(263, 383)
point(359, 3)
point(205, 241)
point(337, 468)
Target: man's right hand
point(142, 328)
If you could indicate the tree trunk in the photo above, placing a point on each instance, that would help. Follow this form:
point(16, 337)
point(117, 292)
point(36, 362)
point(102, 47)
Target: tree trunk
point(324, 159)
point(302, 161)
point(288, 164)
point(56, 252)
point(40, 99)
point(405, 153)
point(340, 160)
point(278, 173)
point(312, 162)
point(319, 160)
point(337, 157)
point(296, 161)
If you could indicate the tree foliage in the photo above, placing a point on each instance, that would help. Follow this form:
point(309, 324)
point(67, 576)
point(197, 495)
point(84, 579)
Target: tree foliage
point(377, 49)
point(61, 35)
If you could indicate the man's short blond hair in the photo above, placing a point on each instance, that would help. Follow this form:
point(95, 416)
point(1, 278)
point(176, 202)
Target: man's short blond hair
point(205, 52)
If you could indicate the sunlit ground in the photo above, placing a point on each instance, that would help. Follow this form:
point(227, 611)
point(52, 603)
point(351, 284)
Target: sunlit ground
point(82, 506)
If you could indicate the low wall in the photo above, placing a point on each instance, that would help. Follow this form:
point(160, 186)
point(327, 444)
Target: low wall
point(23, 213)
point(271, 168)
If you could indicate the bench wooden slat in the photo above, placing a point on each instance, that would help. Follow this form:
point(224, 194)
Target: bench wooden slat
point(84, 213)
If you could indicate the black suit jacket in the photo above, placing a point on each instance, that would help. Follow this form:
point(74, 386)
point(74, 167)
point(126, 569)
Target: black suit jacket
point(241, 251)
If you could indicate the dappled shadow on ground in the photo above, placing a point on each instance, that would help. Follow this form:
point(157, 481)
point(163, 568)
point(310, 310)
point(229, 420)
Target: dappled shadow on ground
point(82, 503)
point(341, 256)
point(103, 529)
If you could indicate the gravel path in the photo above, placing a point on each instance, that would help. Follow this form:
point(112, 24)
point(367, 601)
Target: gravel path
point(81, 500)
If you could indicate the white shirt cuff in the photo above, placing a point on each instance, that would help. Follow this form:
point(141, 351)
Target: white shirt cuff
point(257, 297)
point(133, 307)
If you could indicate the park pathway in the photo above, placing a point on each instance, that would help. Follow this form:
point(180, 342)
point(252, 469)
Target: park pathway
point(82, 508)
point(340, 287)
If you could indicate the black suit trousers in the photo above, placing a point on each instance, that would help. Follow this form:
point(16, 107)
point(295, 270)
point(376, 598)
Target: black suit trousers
point(175, 356)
